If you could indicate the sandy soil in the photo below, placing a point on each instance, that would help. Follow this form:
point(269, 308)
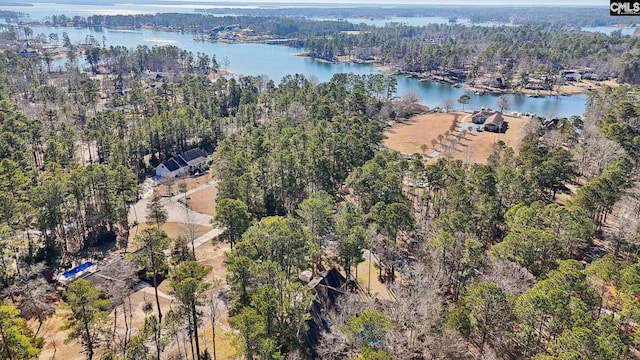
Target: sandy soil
point(475, 147)
point(54, 338)
point(207, 253)
point(55, 347)
point(221, 73)
point(212, 255)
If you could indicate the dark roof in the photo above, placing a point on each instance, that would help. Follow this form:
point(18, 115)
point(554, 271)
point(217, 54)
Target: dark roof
point(180, 160)
point(193, 154)
point(172, 165)
point(551, 123)
point(327, 289)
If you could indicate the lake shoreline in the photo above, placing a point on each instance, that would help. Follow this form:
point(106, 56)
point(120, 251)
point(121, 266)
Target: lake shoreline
point(581, 87)
point(279, 61)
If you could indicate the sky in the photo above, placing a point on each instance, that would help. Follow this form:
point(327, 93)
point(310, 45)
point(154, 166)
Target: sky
point(589, 3)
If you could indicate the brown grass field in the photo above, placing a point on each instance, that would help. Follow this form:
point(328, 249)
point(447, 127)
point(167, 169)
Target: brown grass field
point(192, 182)
point(203, 201)
point(475, 147)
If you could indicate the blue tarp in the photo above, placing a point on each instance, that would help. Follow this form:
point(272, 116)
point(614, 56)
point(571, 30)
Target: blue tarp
point(77, 270)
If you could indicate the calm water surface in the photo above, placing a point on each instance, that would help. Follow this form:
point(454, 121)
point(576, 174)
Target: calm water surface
point(278, 61)
point(624, 30)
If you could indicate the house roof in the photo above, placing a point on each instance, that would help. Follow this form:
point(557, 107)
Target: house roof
point(192, 154)
point(180, 160)
point(495, 119)
point(183, 160)
point(551, 123)
point(327, 289)
point(172, 165)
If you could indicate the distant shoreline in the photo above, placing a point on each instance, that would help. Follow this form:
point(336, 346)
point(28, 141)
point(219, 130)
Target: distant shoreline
point(576, 88)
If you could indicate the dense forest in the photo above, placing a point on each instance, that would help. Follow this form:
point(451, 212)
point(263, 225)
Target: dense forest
point(283, 27)
point(532, 255)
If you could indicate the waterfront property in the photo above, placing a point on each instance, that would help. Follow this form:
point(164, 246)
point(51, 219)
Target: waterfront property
point(495, 123)
point(570, 75)
point(479, 117)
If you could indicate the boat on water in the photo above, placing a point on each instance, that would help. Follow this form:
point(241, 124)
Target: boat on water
point(534, 95)
point(479, 93)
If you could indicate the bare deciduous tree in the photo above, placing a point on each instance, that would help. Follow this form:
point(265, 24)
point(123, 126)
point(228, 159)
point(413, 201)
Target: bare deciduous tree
point(447, 104)
point(595, 152)
point(216, 308)
point(510, 276)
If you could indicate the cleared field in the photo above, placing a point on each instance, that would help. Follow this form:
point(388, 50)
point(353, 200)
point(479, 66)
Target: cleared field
point(409, 136)
point(213, 255)
point(421, 133)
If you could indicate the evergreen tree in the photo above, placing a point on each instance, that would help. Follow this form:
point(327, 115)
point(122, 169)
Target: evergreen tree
point(151, 244)
point(87, 314)
point(17, 341)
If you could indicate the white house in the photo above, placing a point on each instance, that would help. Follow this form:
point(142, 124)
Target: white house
point(170, 169)
point(185, 163)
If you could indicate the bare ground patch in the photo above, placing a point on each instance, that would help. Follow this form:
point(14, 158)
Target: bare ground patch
point(378, 290)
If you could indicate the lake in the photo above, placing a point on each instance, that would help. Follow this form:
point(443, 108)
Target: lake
point(277, 61)
point(624, 30)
